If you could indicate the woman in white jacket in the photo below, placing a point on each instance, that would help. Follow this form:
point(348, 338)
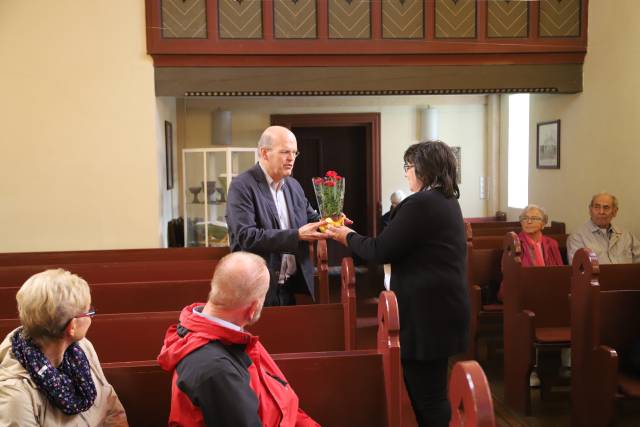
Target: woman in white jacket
point(49, 372)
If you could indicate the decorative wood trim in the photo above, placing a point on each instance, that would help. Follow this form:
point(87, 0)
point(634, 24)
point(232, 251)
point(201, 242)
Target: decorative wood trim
point(365, 60)
point(372, 123)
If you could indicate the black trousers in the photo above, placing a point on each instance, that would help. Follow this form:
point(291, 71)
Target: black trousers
point(284, 293)
point(426, 383)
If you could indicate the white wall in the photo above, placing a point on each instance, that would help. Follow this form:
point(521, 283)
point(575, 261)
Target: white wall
point(77, 169)
point(600, 127)
point(462, 123)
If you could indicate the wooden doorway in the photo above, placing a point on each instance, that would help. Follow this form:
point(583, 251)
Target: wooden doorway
point(350, 144)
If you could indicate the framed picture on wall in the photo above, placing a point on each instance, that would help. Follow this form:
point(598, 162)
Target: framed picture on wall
point(548, 145)
point(168, 146)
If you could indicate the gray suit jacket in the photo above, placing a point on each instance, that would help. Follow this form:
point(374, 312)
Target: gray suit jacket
point(254, 227)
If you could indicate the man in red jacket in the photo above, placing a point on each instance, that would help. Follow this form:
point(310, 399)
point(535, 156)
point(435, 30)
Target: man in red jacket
point(222, 375)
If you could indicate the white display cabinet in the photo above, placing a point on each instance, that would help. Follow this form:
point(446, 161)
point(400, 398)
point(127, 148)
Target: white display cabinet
point(207, 174)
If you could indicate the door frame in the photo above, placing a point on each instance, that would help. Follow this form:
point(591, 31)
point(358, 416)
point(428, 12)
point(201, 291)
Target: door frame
point(371, 122)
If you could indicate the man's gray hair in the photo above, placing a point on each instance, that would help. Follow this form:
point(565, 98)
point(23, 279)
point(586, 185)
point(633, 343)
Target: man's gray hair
point(239, 279)
point(614, 199)
point(397, 195)
point(542, 210)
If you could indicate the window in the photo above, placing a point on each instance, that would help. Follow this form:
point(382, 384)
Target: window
point(518, 151)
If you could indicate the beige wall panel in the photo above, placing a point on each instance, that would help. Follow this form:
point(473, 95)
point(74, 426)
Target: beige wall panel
point(507, 18)
point(599, 127)
point(349, 19)
point(561, 18)
point(403, 19)
point(239, 19)
point(455, 18)
point(78, 168)
point(295, 19)
point(184, 19)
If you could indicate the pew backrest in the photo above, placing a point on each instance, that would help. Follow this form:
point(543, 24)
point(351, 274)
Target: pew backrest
point(111, 255)
point(118, 272)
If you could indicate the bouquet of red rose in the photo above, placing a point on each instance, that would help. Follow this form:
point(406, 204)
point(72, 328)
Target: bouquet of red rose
point(330, 196)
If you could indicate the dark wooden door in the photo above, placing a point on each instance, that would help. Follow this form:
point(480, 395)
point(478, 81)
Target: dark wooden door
point(340, 149)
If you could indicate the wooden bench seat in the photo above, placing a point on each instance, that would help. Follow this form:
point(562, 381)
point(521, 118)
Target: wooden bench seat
point(605, 322)
point(536, 317)
point(345, 388)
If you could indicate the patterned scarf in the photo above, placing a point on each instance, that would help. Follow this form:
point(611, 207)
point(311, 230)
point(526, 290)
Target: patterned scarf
point(70, 387)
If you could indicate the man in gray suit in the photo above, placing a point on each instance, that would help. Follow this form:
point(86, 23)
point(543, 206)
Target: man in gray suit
point(269, 215)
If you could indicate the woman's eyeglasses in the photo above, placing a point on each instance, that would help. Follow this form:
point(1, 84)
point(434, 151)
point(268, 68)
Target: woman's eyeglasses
point(525, 218)
point(407, 166)
point(90, 313)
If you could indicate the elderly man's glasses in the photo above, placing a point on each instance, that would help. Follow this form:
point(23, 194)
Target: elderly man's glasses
point(407, 166)
point(603, 208)
point(525, 218)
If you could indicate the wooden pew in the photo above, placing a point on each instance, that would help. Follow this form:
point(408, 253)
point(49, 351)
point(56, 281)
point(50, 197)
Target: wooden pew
point(605, 319)
point(133, 297)
point(118, 272)
point(536, 317)
point(315, 327)
point(499, 216)
point(470, 396)
point(111, 255)
point(346, 388)
point(499, 228)
point(484, 257)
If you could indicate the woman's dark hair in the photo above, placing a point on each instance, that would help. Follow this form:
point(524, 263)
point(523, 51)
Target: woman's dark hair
point(435, 165)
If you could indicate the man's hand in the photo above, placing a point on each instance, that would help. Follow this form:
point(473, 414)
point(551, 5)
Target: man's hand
point(309, 232)
point(339, 234)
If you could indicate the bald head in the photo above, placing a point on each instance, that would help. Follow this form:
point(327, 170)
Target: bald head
point(278, 151)
point(240, 279)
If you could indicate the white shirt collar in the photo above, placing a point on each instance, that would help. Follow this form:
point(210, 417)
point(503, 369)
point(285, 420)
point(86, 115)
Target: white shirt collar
point(198, 311)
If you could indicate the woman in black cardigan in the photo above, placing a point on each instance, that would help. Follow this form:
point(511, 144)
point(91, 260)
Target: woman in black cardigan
point(425, 244)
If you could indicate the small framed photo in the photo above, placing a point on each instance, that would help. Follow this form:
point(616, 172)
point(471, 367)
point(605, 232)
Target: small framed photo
point(168, 146)
point(548, 145)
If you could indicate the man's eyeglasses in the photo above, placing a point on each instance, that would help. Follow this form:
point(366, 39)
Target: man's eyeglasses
point(525, 218)
point(287, 153)
point(407, 166)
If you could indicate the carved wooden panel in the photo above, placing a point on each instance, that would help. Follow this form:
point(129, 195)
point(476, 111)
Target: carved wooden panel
point(507, 18)
point(184, 19)
point(349, 19)
point(455, 19)
point(560, 18)
point(240, 19)
point(295, 19)
point(403, 19)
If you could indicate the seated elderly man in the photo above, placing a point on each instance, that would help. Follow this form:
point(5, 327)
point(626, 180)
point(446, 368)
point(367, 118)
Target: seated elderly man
point(222, 375)
point(395, 199)
point(610, 243)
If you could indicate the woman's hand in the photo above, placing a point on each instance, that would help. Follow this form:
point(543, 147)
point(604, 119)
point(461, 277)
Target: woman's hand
point(339, 234)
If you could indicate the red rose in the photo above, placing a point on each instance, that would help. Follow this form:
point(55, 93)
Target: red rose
point(331, 174)
point(338, 178)
point(318, 181)
point(329, 184)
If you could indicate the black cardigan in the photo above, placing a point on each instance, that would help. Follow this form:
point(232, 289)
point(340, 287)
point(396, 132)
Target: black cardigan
point(425, 243)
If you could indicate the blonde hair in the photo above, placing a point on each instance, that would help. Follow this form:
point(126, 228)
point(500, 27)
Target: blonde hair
point(239, 279)
point(48, 300)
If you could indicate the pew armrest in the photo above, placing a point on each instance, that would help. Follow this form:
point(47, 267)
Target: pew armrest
point(604, 372)
point(475, 298)
point(525, 336)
